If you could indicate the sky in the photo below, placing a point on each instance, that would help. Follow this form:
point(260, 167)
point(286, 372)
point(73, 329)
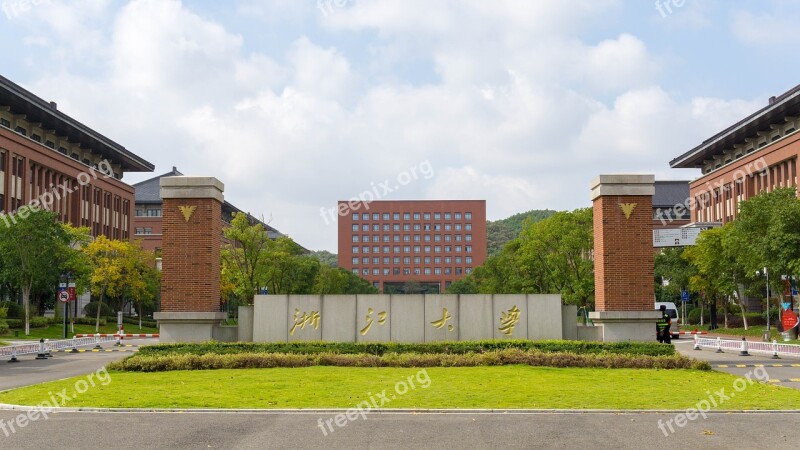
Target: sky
point(297, 104)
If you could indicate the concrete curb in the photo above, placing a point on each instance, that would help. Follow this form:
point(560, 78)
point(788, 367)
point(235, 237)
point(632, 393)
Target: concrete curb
point(7, 407)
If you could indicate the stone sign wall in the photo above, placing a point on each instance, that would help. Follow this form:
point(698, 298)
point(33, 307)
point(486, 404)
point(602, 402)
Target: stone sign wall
point(406, 318)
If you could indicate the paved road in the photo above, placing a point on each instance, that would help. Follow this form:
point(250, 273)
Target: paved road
point(781, 372)
point(397, 431)
point(62, 365)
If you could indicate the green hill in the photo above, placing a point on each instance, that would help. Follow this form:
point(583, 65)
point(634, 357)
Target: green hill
point(500, 232)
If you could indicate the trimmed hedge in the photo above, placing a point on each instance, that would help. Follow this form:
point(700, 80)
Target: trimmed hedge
point(509, 356)
point(135, 321)
point(36, 322)
point(379, 349)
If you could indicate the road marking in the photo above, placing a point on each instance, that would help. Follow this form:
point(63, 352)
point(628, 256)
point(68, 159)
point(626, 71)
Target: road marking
point(786, 380)
point(105, 350)
point(726, 366)
point(722, 366)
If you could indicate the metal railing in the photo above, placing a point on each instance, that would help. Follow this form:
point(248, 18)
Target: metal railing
point(744, 347)
point(43, 348)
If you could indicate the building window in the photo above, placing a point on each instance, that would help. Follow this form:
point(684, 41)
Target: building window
point(356, 249)
point(406, 260)
point(386, 238)
point(416, 260)
point(469, 270)
point(355, 227)
point(459, 271)
point(365, 261)
point(396, 238)
point(416, 227)
point(458, 227)
point(416, 216)
point(468, 216)
point(50, 144)
point(21, 131)
point(427, 271)
point(417, 249)
point(365, 271)
point(417, 271)
point(396, 227)
point(376, 271)
point(416, 238)
point(406, 238)
point(426, 216)
point(397, 249)
point(356, 216)
point(427, 260)
point(406, 216)
point(406, 271)
point(448, 227)
point(469, 249)
point(437, 216)
point(448, 271)
point(426, 227)
point(437, 249)
point(396, 260)
point(385, 216)
point(139, 231)
point(458, 260)
point(376, 216)
point(427, 249)
point(437, 271)
point(365, 249)
point(437, 238)
point(448, 249)
point(396, 216)
point(386, 249)
point(458, 249)
point(376, 261)
point(376, 238)
point(406, 227)
point(355, 260)
point(62, 150)
point(355, 238)
point(139, 212)
point(468, 259)
point(396, 271)
point(468, 226)
point(468, 238)
point(376, 227)
point(36, 137)
point(427, 238)
point(5, 123)
point(154, 212)
point(458, 216)
point(386, 227)
point(458, 238)
point(386, 271)
point(355, 271)
point(448, 238)
point(407, 249)
point(376, 249)
point(448, 216)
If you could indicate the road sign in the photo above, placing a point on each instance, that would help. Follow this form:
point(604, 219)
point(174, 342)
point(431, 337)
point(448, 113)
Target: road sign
point(72, 292)
point(675, 237)
point(63, 296)
point(685, 296)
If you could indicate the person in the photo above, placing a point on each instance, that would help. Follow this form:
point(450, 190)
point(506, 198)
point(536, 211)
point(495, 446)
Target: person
point(662, 326)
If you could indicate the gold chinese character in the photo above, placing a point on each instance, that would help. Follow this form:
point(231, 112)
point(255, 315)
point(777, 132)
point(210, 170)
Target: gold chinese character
point(305, 319)
point(508, 319)
point(441, 322)
point(381, 320)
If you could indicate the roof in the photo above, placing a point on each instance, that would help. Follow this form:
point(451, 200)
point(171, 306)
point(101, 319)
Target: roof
point(38, 110)
point(670, 193)
point(786, 104)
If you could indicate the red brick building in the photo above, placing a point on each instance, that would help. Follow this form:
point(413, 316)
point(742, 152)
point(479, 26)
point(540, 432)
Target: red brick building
point(51, 160)
point(433, 242)
point(758, 153)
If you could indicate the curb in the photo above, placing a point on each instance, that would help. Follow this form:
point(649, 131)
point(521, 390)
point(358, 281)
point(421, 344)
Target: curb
point(7, 407)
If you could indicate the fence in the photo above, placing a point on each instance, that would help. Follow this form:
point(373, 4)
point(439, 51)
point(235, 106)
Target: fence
point(43, 347)
point(744, 347)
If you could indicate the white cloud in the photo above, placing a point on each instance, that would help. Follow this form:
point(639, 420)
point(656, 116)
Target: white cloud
point(764, 28)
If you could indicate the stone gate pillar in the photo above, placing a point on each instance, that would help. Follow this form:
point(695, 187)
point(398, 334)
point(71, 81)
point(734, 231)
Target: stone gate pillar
point(190, 254)
point(623, 257)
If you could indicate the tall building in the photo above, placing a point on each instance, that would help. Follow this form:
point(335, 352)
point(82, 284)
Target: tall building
point(147, 220)
point(430, 242)
point(50, 160)
point(668, 201)
point(758, 153)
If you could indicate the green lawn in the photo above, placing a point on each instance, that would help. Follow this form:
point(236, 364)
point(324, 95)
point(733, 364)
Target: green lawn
point(756, 330)
point(56, 331)
point(471, 387)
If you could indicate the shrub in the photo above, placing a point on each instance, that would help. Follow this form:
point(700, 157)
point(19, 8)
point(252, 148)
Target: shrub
point(36, 322)
point(157, 363)
point(135, 321)
point(694, 316)
point(379, 349)
point(91, 310)
point(15, 310)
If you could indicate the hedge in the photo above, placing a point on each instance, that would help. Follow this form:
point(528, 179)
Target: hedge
point(508, 356)
point(35, 322)
point(379, 349)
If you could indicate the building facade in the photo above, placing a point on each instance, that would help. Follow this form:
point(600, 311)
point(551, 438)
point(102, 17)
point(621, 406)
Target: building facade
point(49, 160)
point(148, 213)
point(668, 201)
point(757, 154)
point(394, 243)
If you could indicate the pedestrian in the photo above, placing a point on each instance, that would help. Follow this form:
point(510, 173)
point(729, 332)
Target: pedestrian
point(663, 334)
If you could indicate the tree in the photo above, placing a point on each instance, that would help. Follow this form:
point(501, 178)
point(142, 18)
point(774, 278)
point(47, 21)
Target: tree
point(143, 278)
point(326, 258)
point(245, 259)
point(33, 250)
point(108, 259)
point(672, 273)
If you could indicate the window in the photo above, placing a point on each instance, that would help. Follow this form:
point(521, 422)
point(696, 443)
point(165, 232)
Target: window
point(355, 271)
point(427, 260)
point(407, 249)
point(355, 238)
point(427, 227)
point(21, 131)
point(356, 249)
point(356, 216)
point(416, 260)
point(396, 216)
point(397, 249)
point(459, 271)
point(437, 271)
point(148, 230)
point(139, 231)
point(376, 271)
point(427, 249)
point(448, 238)
point(458, 238)
point(406, 216)
point(376, 261)
point(396, 271)
point(448, 260)
point(139, 212)
point(365, 249)
point(365, 271)
point(386, 227)
point(468, 270)
point(365, 227)
point(469, 249)
point(448, 216)
point(386, 238)
point(365, 261)
point(75, 156)
point(406, 227)
point(396, 238)
point(468, 238)
point(437, 238)
point(406, 271)
point(458, 260)
point(468, 226)
point(448, 249)
point(417, 271)
point(448, 227)
point(416, 216)
point(86, 161)
point(376, 238)
point(427, 271)
point(417, 249)
point(406, 238)
point(385, 216)
point(355, 260)
point(416, 238)
point(437, 216)
point(36, 137)
point(437, 249)
point(458, 227)
point(416, 227)
point(468, 216)
point(376, 249)
point(458, 249)
point(62, 150)
point(406, 260)
point(376, 216)
point(426, 216)
point(154, 212)
point(386, 271)
point(437, 260)
point(427, 238)
point(468, 259)
point(376, 227)
point(437, 227)
point(50, 144)
point(458, 216)
point(386, 249)
point(355, 227)
point(448, 271)
point(396, 227)
point(396, 260)
point(5, 123)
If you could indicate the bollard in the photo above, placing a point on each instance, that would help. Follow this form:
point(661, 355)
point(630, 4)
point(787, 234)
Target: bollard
point(74, 346)
point(47, 351)
point(97, 342)
point(719, 345)
point(41, 354)
point(775, 350)
point(743, 352)
point(696, 343)
point(13, 354)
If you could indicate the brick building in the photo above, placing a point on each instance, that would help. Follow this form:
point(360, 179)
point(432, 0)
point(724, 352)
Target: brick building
point(432, 242)
point(148, 215)
point(758, 153)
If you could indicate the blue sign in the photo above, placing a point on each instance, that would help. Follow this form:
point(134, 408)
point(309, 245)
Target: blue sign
point(685, 296)
point(786, 305)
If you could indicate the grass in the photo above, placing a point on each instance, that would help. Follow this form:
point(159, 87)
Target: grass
point(56, 331)
point(753, 330)
point(503, 387)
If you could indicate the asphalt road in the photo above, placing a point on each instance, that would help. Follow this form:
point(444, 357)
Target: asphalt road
point(397, 431)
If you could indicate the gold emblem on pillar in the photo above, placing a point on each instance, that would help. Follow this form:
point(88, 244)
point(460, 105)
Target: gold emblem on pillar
point(187, 211)
point(627, 209)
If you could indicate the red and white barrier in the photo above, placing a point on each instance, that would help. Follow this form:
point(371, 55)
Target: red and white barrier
point(693, 332)
point(119, 335)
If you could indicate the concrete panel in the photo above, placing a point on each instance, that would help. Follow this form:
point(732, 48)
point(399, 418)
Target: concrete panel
point(185, 332)
point(245, 333)
point(569, 322)
point(544, 316)
point(305, 318)
point(510, 316)
point(408, 318)
point(226, 333)
point(441, 318)
point(339, 318)
point(590, 333)
point(270, 314)
point(373, 318)
point(475, 317)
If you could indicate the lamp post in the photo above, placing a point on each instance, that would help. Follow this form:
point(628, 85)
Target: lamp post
point(66, 280)
point(766, 273)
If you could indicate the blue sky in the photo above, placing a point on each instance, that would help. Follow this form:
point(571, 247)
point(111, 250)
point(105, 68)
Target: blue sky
point(295, 104)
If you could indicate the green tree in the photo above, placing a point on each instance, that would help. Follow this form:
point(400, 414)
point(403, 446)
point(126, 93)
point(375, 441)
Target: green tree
point(33, 250)
point(245, 259)
point(108, 259)
point(672, 273)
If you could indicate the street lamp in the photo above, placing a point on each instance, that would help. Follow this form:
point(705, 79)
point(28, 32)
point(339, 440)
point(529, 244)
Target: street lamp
point(766, 273)
point(66, 280)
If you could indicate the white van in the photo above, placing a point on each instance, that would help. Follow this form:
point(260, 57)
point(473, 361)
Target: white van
point(672, 310)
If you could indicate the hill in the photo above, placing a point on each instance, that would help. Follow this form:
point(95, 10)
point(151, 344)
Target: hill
point(500, 232)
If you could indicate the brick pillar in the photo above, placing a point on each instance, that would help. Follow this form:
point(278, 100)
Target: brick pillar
point(190, 254)
point(623, 257)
